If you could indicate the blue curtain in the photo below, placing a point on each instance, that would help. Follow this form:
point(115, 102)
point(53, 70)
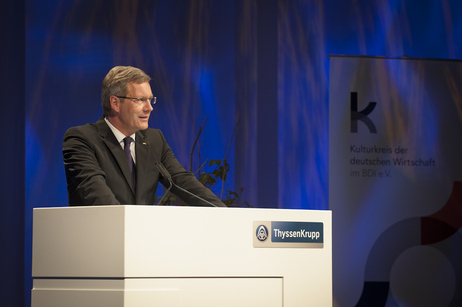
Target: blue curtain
point(263, 64)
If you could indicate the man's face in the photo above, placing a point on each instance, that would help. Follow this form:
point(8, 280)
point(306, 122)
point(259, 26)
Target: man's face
point(133, 116)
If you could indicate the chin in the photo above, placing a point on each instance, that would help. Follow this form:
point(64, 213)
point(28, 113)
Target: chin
point(144, 127)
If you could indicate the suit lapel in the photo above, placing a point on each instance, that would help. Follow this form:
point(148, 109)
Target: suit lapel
point(116, 150)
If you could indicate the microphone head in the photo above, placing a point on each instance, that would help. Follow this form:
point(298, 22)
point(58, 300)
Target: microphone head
point(161, 168)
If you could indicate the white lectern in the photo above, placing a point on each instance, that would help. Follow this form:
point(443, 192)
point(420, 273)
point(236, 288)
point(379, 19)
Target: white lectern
point(135, 256)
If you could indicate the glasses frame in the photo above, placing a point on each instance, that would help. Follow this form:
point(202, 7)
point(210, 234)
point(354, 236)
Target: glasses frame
point(152, 101)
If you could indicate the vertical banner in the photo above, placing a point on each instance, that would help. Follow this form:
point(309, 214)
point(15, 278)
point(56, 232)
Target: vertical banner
point(395, 181)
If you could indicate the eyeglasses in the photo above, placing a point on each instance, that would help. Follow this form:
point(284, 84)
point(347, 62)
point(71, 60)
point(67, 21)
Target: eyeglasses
point(151, 101)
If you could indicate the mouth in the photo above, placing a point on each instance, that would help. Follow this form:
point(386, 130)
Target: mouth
point(144, 118)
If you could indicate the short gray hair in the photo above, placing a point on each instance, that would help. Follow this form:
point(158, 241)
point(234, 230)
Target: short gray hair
point(116, 83)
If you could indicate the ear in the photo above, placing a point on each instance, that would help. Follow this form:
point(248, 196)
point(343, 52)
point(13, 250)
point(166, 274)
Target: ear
point(115, 103)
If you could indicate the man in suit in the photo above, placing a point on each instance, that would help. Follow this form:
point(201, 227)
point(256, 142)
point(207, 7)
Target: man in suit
point(113, 161)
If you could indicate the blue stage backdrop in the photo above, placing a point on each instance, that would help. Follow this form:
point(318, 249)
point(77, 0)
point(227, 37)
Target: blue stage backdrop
point(262, 63)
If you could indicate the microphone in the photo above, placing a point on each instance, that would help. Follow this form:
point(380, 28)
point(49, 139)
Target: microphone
point(167, 176)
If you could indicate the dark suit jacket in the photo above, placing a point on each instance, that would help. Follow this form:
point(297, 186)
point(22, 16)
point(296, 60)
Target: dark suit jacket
point(97, 170)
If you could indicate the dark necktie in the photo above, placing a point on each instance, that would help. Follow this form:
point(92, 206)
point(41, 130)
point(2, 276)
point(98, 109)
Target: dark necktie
point(128, 154)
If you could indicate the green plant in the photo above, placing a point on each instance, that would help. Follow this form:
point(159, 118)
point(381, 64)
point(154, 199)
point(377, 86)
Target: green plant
point(220, 174)
point(217, 175)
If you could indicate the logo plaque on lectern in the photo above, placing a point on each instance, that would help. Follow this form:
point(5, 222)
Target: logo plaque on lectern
point(282, 234)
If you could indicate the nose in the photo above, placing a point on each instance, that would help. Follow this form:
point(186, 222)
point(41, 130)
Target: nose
point(148, 107)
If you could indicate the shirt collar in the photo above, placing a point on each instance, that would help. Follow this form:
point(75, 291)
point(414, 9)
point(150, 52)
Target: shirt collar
point(119, 135)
